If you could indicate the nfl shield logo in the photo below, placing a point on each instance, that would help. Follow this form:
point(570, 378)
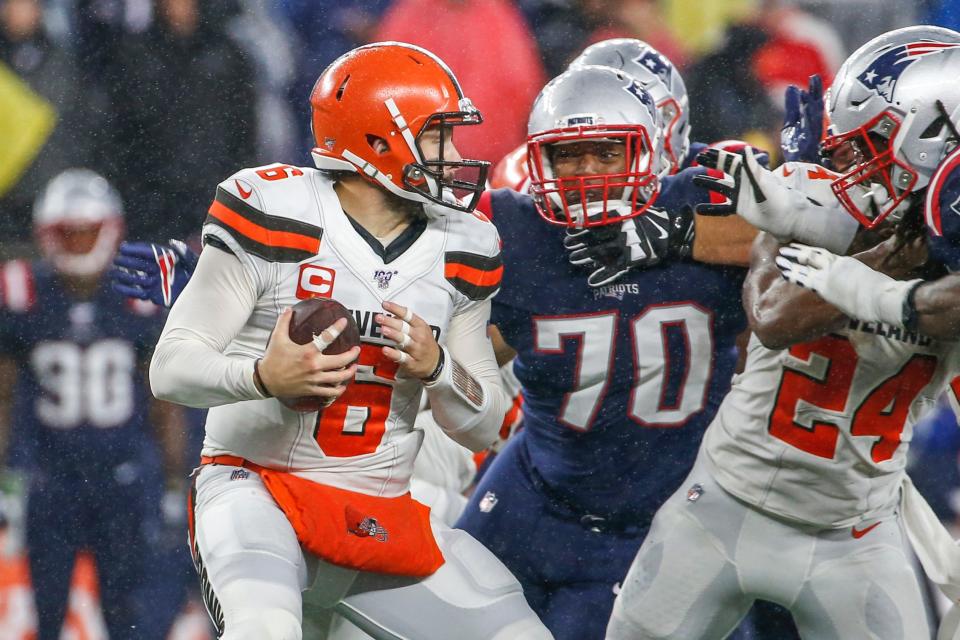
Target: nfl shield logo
point(488, 502)
point(694, 492)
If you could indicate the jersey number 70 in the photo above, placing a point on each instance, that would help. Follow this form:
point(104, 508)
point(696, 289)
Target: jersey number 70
point(652, 402)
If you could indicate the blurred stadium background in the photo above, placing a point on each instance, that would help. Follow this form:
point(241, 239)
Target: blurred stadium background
point(168, 97)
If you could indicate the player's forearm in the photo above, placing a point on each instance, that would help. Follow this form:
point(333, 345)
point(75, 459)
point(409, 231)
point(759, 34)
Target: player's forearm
point(723, 240)
point(186, 371)
point(468, 401)
point(780, 313)
point(937, 313)
point(189, 366)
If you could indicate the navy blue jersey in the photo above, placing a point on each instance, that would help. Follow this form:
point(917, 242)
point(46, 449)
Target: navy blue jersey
point(619, 382)
point(943, 212)
point(692, 153)
point(81, 396)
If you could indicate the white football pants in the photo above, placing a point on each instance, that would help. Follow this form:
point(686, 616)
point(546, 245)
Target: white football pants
point(253, 570)
point(708, 556)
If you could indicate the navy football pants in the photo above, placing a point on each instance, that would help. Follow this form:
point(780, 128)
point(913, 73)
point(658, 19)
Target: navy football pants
point(570, 574)
point(71, 512)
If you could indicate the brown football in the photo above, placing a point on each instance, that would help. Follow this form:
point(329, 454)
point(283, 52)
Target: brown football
point(310, 317)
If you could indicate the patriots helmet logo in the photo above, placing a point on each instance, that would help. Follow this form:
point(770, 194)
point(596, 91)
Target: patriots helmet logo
point(882, 74)
point(657, 65)
point(637, 91)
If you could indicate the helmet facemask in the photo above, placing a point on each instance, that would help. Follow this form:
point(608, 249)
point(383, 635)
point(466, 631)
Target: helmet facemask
point(874, 169)
point(672, 112)
point(441, 180)
point(72, 257)
point(581, 201)
point(371, 109)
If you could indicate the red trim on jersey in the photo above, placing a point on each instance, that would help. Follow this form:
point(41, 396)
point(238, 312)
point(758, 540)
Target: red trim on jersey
point(953, 394)
point(257, 233)
point(821, 173)
point(17, 290)
point(142, 307)
point(932, 205)
point(511, 417)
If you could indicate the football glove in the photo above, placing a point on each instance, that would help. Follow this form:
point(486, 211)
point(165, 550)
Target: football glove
point(638, 242)
point(759, 197)
point(846, 283)
point(155, 272)
point(803, 122)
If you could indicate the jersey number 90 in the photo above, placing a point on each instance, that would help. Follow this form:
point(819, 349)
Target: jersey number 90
point(84, 385)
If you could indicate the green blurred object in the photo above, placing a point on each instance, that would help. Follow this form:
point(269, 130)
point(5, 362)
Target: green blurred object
point(26, 121)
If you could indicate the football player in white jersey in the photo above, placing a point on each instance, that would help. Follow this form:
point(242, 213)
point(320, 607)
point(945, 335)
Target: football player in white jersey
point(284, 500)
point(898, 123)
point(795, 496)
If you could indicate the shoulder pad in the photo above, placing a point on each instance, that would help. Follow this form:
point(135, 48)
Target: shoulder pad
point(472, 260)
point(17, 288)
point(943, 196)
point(272, 212)
point(812, 180)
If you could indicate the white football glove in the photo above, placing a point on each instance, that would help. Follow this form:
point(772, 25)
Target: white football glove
point(846, 283)
point(758, 196)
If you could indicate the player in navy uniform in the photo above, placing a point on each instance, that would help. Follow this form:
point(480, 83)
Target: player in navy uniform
point(73, 349)
point(618, 381)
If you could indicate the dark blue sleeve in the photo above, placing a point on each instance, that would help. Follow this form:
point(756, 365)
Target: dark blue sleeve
point(943, 212)
point(678, 191)
point(692, 153)
point(8, 334)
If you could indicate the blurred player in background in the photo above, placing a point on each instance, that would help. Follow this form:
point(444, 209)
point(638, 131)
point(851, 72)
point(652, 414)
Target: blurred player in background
point(73, 351)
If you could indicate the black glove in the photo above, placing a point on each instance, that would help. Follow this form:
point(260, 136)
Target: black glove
point(638, 242)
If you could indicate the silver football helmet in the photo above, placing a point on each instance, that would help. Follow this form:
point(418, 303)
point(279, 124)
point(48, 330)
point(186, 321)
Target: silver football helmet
point(659, 77)
point(893, 109)
point(78, 222)
point(593, 105)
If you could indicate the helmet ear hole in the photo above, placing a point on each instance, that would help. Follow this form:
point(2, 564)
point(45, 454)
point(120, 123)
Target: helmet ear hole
point(378, 144)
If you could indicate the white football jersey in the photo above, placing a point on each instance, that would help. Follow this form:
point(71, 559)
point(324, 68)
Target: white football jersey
point(818, 433)
point(286, 226)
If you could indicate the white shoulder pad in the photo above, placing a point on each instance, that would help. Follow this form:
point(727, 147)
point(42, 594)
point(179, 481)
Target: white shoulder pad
point(472, 259)
point(811, 179)
point(273, 212)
